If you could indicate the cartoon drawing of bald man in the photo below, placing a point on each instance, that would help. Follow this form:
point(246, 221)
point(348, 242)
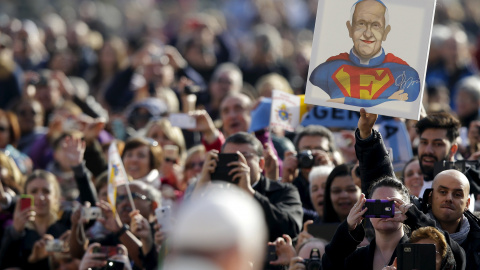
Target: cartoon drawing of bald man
point(367, 76)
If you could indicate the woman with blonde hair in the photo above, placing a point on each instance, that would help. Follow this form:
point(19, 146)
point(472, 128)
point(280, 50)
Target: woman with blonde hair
point(24, 243)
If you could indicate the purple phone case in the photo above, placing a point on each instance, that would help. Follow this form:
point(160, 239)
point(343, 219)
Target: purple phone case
point(379, 208)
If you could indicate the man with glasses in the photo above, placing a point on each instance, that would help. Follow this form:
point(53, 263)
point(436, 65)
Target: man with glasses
point(320, 142)
point(280, 202)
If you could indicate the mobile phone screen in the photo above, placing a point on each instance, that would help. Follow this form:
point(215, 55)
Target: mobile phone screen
point(109, 251)
point(26, 201)
point(222, 169)
point(379, 209)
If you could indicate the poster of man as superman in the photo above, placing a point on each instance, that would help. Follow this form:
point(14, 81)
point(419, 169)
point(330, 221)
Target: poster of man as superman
point(369, 75)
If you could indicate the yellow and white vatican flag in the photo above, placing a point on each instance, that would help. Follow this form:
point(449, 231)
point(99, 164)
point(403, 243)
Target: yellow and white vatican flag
point(285, 111)
point(116, 176)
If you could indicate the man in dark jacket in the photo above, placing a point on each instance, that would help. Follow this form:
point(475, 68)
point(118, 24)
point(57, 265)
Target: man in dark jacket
point(280, 202)
point(449, 198)
point(319, 140)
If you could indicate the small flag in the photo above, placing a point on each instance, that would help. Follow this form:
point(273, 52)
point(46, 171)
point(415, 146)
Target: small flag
point(285, 110)
point(116, 174)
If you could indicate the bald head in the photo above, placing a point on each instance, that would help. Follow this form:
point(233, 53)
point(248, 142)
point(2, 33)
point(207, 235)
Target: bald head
point(452, 176)
point(450, 198)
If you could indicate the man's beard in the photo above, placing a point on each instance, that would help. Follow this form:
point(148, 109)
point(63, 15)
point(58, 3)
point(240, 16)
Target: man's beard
point(429, 171)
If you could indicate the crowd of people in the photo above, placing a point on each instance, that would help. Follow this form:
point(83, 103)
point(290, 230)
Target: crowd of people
point(77, 77)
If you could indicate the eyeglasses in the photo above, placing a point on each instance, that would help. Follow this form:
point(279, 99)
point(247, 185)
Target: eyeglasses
point(316, 148)
point(194, 164)
point(3, 129)
point(135, 195)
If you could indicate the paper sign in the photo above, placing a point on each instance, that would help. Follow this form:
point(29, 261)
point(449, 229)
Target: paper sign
point(285, 111)
point(395, 136)
point(182, 120)
point(331, 118)
point(370, 54)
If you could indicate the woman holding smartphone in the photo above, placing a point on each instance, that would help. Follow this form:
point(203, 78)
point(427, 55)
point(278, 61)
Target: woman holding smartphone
point(24, 243)
point(342, 251)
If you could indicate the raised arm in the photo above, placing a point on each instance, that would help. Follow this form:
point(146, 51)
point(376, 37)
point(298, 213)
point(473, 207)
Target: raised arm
point(374, 161)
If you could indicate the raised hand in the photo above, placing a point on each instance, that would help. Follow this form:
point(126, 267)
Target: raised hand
point(159, 236)
point(205, 125)
point(109, 220)
point(290, 165)
point(92, 260)
point(285, 250)
point(402, 207)
point(355, 216)
point(21, 217)
point(241, 173)
point(304, 235)
point(271, 162)
point(140, 227)
point(366, 123)
point(208, 168)
point(39, 251)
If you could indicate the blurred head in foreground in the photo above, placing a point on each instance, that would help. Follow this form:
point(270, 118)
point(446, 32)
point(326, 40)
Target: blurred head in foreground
point(213, 232)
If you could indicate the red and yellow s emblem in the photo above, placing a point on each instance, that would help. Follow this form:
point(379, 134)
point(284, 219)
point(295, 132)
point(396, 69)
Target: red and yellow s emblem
point(362, 83)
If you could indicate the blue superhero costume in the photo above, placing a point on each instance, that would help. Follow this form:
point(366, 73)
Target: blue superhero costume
point(366, 85)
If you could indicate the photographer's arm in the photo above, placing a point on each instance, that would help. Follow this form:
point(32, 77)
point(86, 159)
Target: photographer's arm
point(74, 152)
point(374, 161)
point(208, 168)
point(113, 223)
point(212, 138)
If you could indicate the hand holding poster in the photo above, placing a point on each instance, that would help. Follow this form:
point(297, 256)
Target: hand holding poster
point(384, 69)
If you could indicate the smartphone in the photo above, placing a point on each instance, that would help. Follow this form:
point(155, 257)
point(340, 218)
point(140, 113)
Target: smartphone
point(26, 201)
point(222, 169)
point(379, 209)
point(416, 256)
point(164, 218)
point(55, 245)
point(182, 120)
point(108, 251)
point(271, 253)
point(114, 265)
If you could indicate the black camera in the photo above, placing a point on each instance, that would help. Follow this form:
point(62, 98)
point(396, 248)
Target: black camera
point(191, 89)
point(305, 159)
point(315, 261)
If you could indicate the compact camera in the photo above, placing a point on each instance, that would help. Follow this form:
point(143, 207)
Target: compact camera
point(91, 213)
point(305, 159)
point(55, 245)
point(315, 261)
